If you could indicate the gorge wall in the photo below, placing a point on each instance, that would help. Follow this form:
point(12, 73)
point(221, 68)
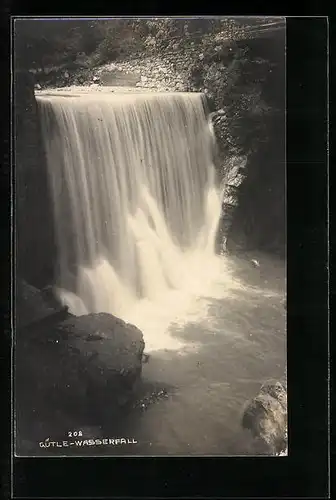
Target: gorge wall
point(259, 220)
point(34, 232)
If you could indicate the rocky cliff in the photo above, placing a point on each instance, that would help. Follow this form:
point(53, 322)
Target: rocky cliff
point(34, 232)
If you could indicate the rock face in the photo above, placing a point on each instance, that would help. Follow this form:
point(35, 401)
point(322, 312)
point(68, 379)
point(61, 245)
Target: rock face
point(260, 216)
point(266, 417)
point(33, 306)
point(35, 235)
point(79, 372)
point(232, 174)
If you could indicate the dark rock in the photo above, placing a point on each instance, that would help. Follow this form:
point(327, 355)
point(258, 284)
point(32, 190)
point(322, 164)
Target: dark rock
point(260, 213)
point(80, 372)
point(119, 345)
point(265, 416)
point(33, 306)
point(109, 350)
point(34, 221)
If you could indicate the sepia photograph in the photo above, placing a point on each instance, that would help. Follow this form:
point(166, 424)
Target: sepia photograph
point(149, 164)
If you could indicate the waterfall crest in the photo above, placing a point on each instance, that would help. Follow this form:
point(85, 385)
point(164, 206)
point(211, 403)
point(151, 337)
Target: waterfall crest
point(135, 200)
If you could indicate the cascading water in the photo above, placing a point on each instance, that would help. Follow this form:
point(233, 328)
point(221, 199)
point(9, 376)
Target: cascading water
point(135, 201)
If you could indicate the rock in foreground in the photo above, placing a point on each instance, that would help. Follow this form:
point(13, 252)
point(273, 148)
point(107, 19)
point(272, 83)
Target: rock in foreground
point(109, 350)
point(266, 417)
point(79, 372)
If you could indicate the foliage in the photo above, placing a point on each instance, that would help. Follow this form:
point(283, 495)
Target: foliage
point(118, 38)
point(234, 82)
point(44, 42)
point(218, 59)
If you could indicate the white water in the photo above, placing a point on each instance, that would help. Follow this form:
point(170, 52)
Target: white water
point(136, 206)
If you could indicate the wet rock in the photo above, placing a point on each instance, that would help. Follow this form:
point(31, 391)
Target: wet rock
point(145, 358)
point(275, 389)
point(265, 416)
point(149, 399)
point(112, 347)
point(255, 263)
point(233, 175)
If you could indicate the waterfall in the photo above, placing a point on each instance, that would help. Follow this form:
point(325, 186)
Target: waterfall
point(135, 198)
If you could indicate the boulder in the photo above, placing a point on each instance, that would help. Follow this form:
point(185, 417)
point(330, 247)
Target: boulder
point(107, 341)
point(265, 416)
point(78, 372)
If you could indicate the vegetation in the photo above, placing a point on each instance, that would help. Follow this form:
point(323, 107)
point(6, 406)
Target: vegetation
point(217, 60)
point(42, 43)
